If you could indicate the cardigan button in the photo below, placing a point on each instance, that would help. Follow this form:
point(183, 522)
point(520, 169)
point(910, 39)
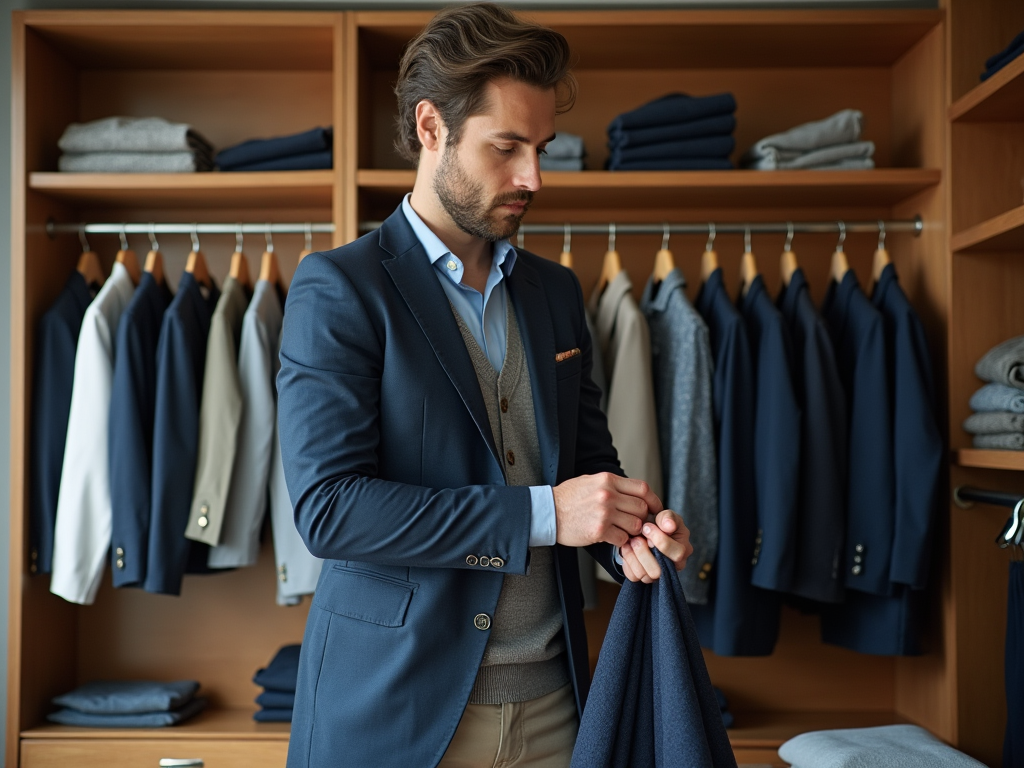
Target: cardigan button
point(510, 458)
point(504, 405)
point(482, 621)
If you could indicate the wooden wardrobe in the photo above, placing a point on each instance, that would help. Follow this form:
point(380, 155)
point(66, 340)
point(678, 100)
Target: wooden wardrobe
point(948, 149)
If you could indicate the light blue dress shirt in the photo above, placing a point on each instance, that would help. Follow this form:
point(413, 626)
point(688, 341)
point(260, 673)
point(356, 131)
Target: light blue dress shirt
point(485, 316)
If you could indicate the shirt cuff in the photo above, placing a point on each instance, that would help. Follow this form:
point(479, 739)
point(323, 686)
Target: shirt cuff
point(617, 551)
point(543, 531)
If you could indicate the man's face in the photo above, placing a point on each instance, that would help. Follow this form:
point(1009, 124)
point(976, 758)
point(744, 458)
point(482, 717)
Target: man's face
point(486, 182)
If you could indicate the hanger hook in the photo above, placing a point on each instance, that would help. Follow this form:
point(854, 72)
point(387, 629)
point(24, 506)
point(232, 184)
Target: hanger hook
point(239, 239)
point(521, 239)
point(789, 237)
point(195, 237)
point(711, 237)
point(82, 240)
point(664, 237)
point(881, 235)
point(153, 244)
point(567, 239)
point(270, 239)
point(746, 239)
point(309, 236)
point(842, 237)
point(611, 237)
point(124, 238)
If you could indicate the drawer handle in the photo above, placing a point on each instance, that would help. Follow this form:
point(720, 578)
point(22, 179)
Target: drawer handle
point(181, 762)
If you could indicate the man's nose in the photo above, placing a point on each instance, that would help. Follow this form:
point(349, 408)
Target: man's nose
point(527, 175)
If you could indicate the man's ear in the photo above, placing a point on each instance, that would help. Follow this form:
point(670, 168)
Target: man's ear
point(429, 126)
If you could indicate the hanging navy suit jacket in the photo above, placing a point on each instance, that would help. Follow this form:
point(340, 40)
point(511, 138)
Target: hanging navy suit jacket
point(53, 375)
point(180, 363)
point(397, 485)
point(822, 519)
point(132, 412)
point(739, 619)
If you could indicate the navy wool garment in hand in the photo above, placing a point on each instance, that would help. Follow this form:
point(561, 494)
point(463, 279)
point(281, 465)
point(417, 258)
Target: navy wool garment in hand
point(651, 702)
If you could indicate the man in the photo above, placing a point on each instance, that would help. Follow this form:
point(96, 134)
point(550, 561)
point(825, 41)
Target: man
point(442, 439)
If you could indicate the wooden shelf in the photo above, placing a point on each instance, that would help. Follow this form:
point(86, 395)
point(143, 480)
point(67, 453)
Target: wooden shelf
point(981, 459)
point(213, 724)
point(768, 730)
point(1000, 233)
point(706, 189)
point(1000, 99)
point(268, 189)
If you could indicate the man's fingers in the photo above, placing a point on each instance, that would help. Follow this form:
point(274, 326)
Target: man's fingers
point(628, 523)
point(633, 487)
point(667, 520)
point(627, 569)
point(629, 557)
point(616, 536)
point(631, 505)
point(646, 558)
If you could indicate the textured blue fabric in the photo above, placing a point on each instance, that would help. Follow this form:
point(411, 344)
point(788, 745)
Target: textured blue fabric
point(876, 624)
point(704, 147)
point(777, 428)
point(52, 379)
point(273, 715)
point(309, 161)
point(651, 702)
point(674, 108)
point(280, 674)
point(822, 517)
point(131, 429)
point(1008, 57)
point(127, 697)
point(271, 699)
point(676, 164)
point(380, 410)
point(739, 618)
point(1013, 741)
point(998, 397)
point(139, 720)
point(718, 125)
point(180, 363)
point(260, 150)
point(858, 337)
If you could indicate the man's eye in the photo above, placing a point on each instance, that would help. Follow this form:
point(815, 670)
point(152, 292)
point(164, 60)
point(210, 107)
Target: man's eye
point(542, 151)
point(502, 151)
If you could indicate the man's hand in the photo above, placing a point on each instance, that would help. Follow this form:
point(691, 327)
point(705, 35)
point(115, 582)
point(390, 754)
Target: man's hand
point(603, 507)
point(672, 539)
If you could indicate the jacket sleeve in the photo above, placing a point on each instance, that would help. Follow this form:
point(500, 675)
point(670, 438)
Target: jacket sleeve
point(329, 405)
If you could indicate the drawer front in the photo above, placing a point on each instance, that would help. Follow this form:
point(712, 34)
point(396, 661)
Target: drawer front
point(129, 753)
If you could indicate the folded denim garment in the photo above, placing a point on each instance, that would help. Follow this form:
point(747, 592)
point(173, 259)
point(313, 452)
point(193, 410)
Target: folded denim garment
point(784, 160)
point(132, 162)
point(999, 60)
point(125, 697)
point(273, 716)
point(1009, 58)
point(561, 163)
point(709, 146)
point(132, 134)
point(674, 108)
point(282, 671)
point(1010, 441)
point(139, 720)
point(843, 127)
point(311, 161)
point(261, 150)
point(889, 746)
point(998, 397)
point(719, 125)
point(1003, 364)
point(677, 164)
point(994, 423)
point(565, 146)
point(276, 699)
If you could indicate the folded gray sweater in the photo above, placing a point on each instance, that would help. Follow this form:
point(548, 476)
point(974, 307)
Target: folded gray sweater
point(994, 423)
point(1009, 441)
point(132, 162)
point(889, 746)
point(565, 146)
point(132, 134)
point(1003, 364)
point(841, 128)
point(998, 397)
point(785, 159)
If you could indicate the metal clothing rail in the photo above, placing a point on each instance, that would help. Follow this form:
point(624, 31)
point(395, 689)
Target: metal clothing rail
point(53, 229)
point(1013, 531)
point(915, 225)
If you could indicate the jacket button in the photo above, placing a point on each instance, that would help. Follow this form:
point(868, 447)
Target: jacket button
point(497, 562)
point(855, 570)
point(703, 575)
point(485, 561)
point(510, 458)
point(859, 548)
point(504, 405)
point(120, 563)
point(120, 552)
point(706, 567)
point(482, 621)
point(203, 519)
point(282, 573)
point(471, 560)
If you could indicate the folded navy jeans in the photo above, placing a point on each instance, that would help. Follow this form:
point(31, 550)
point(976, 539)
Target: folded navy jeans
point(310, 161)
point(282, 671)
point(709, 146)
point(262, 150)
point(675, 164)
point(127, 697)
point(719, 125)
point(674, 108)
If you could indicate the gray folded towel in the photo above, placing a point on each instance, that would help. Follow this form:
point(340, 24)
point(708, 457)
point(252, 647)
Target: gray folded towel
point(561, 163)
point(132, 162)
point(565, 145)
point(841, 128)
point(1010, 441)
point(1003, 364)
point(132, 134)
point(998, 397)
point(854, 164)
point(994, 423)
point(784, 159)
point(889, 746)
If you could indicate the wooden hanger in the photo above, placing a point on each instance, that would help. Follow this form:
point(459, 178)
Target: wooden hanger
point(239, 269)
point(748, 265)
point(787, 263)
point(664, 261)
point(881, 260)
point(612, 265)
point(840, 266)
point(309, 243)
point(709, 259)
point(565, 257)
point(126, 258)
point(89, 266)
point(154, 259)
point(269, 269)
point(195, 264)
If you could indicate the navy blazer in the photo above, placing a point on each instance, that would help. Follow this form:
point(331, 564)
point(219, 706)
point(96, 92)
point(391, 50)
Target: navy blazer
point(133, 408)
point(777, 427)
point(858, 336)
point(53, 375)
point(397, 484)
point(822, 520)
point(180, 363)
point(739, 619)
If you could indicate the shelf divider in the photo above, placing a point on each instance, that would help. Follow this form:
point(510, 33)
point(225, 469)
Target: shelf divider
point(1000, 99)
point(1004, 232)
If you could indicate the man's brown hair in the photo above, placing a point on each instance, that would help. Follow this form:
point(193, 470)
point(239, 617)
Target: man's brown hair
point(462, 49)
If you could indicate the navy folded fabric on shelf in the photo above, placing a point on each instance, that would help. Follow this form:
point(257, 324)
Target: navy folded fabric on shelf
point(676, 164)
point(719, 125)
point(282, 671)
point(311, 161)
point(708, 146)
point(672, 109)
point(127, 697)
point(999, 60)
point(273, 716)
point(138, 720)
point(255, 151)
point(271, 699)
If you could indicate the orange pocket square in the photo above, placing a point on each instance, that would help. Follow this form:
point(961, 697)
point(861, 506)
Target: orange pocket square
point(566, 355)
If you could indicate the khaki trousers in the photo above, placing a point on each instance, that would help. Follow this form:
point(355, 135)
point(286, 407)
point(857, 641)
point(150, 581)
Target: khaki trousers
point(540, 733)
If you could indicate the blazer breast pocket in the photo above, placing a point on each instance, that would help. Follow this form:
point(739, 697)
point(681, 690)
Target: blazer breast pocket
point(364, 596)
point(569, 367)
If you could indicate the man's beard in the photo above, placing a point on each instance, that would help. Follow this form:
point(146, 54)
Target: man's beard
point(462, 199)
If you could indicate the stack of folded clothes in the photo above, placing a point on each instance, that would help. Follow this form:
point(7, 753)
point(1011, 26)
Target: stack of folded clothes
point(133, 145)
point(278, 682)
point(888, 745)
point(832, 144)
point(674, 133)
point(307, 151)
point(994, 63)
point(564, 153)
point(129, 704)
point(998, 418)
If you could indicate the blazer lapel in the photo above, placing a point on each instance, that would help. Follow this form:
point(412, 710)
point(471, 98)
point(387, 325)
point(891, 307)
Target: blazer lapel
point(538, 335)
point(413, 275)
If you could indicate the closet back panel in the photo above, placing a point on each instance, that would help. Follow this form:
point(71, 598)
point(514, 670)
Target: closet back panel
point(988, 159)
point(978, 29)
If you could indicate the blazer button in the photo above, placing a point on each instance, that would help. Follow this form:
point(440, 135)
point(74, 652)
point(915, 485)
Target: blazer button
point(497, 562)
point(485, 561)
point(510, 458)
point(203, 519)
point(471, 560)
point(120, 552)
point(482, 621)
point(120, 563)
point(855, 570)
point(282, 573)
point(504, 405)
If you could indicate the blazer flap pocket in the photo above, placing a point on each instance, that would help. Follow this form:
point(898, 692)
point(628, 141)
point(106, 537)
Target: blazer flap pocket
point(365, 597)
point(568, 367)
